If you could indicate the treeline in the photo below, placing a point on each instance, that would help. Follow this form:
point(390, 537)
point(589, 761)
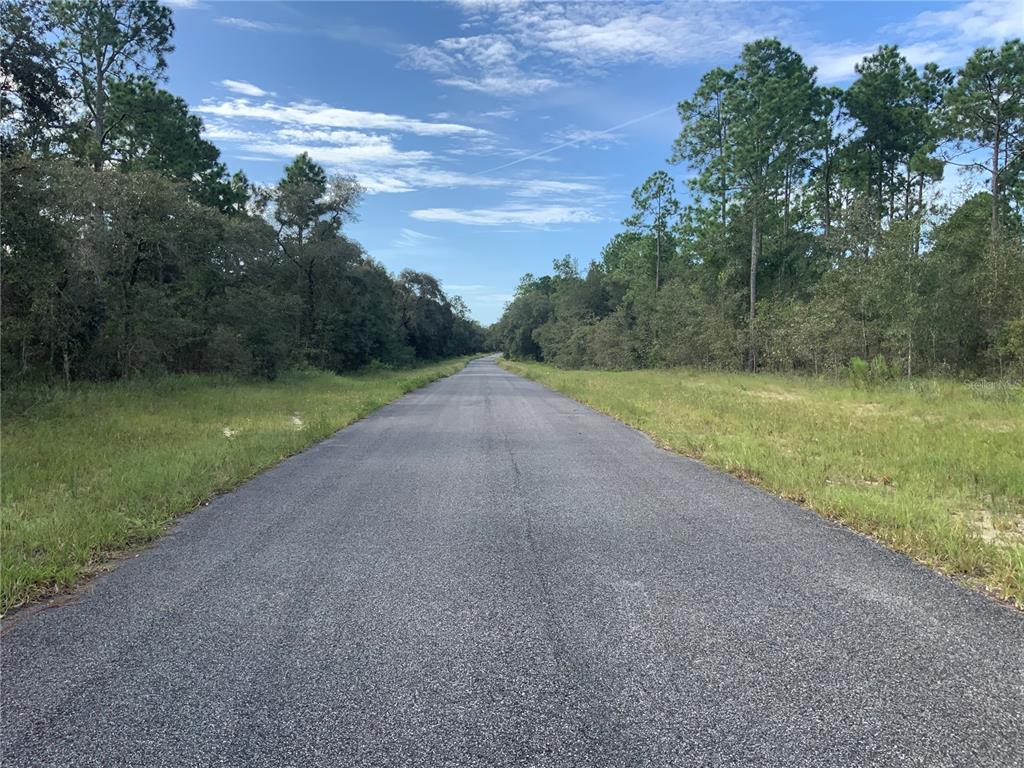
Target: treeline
point(817, 231)
point(128, 248)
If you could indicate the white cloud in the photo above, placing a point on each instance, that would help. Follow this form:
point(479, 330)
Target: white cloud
point(946, 37)
point(379, 165)
point(371, 146)
point(413, 234)
point(552, 187)
point(977, 21)
point(318, 114)
point(488, 63)
point(530, 216)
point(514, 56)
point(215, 130)
point(245, 88)
point(374, 158)
point(511, 85)
point(600, 139)
point(413, 239)
point(258, 26)
point(352, 156)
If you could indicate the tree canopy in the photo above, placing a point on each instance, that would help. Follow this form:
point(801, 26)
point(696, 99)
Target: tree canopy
point(817, 229)
point(129, 249)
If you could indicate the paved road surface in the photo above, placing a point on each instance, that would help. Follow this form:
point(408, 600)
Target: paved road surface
point(486, 573)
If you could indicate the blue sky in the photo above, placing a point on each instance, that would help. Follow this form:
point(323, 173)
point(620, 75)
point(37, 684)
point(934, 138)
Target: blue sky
point(495, 137)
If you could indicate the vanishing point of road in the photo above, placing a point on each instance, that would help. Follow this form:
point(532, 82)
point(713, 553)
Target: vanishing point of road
point(486, 573)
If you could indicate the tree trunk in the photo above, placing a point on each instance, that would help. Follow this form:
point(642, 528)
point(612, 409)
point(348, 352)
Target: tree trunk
point(920, 214)
point(657, 261)
point(67, 368)
point(909, 192)
point(309, 304)
point(995, 185)
point(755, 254)
point(828, 193)
point(124, 354)
point(100, 108)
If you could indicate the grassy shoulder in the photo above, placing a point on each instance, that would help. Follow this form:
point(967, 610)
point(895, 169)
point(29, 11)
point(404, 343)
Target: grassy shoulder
point(105, 468)
point(934, 469)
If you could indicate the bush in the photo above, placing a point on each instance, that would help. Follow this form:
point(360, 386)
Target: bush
point(864, 374)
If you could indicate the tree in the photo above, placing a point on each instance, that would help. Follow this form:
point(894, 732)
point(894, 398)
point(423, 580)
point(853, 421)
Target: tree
point(888, 124)
point(33, 94)
point(930, 102)
point(986, 108)
point(309, 210)
point(705, 135)
point(769, 101)
point(426, 315)
point(152, 129)
point(828, 116)
point(654, 206)
point(149, 257)
point(105, 41)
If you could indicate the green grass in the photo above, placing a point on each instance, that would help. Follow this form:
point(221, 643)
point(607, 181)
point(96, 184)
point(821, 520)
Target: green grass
point(934, 469)
point(103, 469)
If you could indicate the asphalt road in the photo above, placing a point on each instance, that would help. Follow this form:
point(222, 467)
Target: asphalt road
point(487, 573)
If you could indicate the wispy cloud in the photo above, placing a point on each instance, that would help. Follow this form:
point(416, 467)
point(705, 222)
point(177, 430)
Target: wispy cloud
point(977, 21)
point(318, 114)
point(374, 158)
point(553, 188)
point(604, 34)
point(413, 239)
point(599, 139)
point(505, 113)
point(252, 24)
point(373, 146)
point(513, 84)
point(245, 88)
point(591, 135)
point(487, 63)
point(511, 214)
point(946, 37)
point(514, 57)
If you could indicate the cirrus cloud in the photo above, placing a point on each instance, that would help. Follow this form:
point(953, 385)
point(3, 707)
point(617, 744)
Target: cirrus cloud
point(523, 215)
point(324, 115)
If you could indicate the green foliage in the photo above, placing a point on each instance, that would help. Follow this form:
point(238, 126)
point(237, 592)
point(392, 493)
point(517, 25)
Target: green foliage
point(131, 251)
point(816, 232)
point(32, 92)
point(864, 374)
point(655, 207)
point(987, 113)
point(1011, 346)
point(102, 42)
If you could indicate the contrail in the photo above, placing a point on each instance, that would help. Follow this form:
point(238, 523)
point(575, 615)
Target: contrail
point(574, 142)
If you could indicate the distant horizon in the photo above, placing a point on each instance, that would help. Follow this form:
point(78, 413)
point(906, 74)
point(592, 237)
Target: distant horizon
point(494, 138)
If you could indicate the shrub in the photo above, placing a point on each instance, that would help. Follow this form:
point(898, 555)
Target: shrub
point(864, 374)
